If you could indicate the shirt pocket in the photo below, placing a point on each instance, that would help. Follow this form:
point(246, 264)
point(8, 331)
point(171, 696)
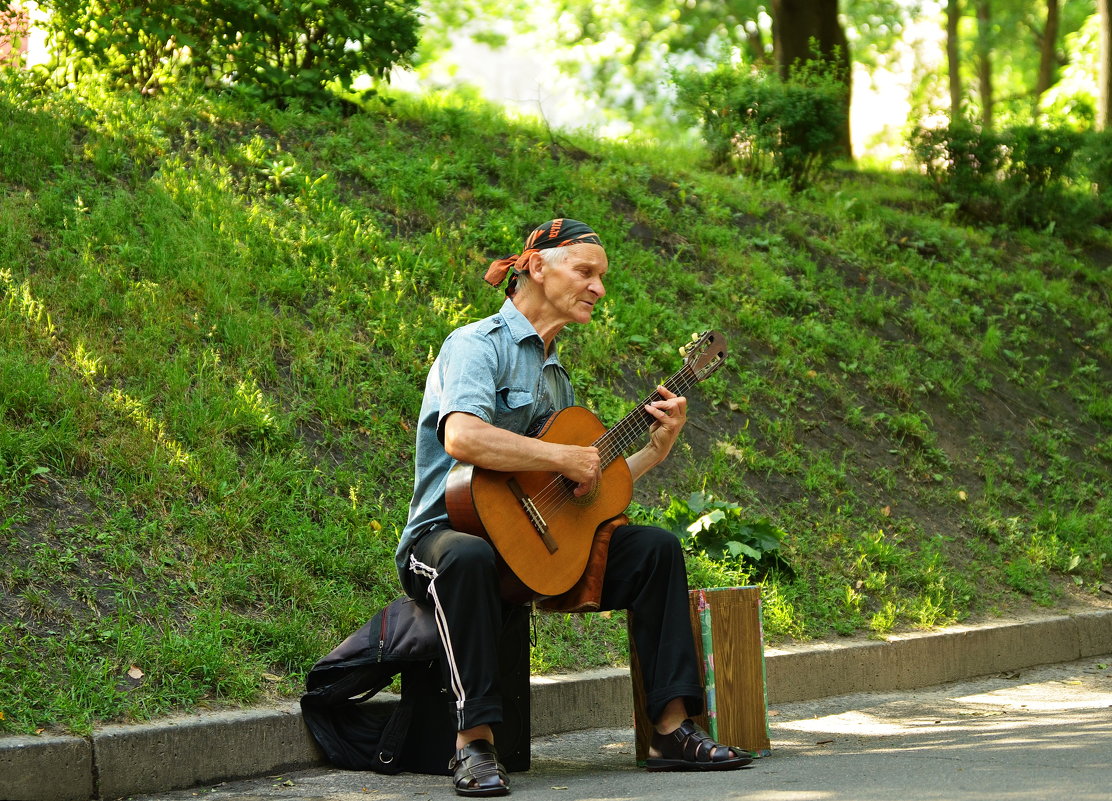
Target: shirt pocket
point(513, 409)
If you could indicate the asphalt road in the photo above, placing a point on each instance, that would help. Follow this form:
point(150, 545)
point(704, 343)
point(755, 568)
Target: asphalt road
point(1043, 734)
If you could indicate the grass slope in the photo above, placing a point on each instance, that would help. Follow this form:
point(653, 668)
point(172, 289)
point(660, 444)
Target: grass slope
point(215, 321)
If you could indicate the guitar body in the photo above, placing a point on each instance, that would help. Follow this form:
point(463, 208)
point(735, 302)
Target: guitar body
point(488, 504)
point(540, 531)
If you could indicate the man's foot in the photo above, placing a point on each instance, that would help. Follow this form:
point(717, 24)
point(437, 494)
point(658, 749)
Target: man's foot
point(691, 748)
point(476, 770)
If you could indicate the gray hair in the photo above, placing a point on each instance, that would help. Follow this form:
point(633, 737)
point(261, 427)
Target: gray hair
point(552, 257)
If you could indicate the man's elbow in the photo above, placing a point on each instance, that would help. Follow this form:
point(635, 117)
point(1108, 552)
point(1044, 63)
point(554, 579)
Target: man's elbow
point(454, 448)
point(457, 438)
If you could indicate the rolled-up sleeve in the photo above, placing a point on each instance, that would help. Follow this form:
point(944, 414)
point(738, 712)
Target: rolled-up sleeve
point(466, 370)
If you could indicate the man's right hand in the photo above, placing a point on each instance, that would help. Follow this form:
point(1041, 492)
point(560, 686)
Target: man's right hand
point(583, 465)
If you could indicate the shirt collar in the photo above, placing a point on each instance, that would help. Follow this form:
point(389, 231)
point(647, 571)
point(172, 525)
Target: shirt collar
point(518, 324)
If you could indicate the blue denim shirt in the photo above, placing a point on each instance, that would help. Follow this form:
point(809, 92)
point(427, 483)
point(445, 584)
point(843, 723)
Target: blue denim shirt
point(496, 370)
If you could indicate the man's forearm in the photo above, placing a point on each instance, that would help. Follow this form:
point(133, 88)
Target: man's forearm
point(474, 441)
point(495, 448)
point(643, 461)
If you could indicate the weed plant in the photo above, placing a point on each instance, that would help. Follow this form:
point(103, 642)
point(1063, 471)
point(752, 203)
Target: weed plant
point(216, 319)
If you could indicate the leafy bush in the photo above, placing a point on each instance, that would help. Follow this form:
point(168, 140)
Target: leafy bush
point(765, 127)
point(275, 49)
point(1095, 160)
point(298, 48)
point(1025, 175)
point(1039, 174)
point(1038, 157)
point(718, 530)
point(963, 162)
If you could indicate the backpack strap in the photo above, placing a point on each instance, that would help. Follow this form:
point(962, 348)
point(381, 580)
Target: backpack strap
point(387, 757)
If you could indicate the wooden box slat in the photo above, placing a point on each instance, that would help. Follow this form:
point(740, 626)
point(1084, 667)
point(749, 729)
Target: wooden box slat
point(738, 697)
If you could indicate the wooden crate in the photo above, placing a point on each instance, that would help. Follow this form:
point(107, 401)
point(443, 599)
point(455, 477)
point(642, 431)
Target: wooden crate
point(726, 624)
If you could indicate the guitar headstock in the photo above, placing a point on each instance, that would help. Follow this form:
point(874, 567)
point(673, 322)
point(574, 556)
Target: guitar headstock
point(705, 353)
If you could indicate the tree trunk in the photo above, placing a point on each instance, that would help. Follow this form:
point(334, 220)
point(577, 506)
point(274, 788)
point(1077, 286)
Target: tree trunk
point(745, 15)
point(1048, 54)
point(984, 61)
point(1104, 101)
point(953, 57)
point(794, 24)
point(755, 40)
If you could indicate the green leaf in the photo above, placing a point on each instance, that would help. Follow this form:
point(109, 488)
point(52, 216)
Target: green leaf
point(707, 521)
point(737, 549)
point(697, 502)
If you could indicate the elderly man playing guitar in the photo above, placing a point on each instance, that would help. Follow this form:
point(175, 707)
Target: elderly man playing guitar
point(494, 399)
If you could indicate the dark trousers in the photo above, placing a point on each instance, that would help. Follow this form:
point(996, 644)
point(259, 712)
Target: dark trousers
point(457, 575)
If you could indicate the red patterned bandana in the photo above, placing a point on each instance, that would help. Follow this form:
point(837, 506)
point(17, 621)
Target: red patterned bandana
point(552, 234)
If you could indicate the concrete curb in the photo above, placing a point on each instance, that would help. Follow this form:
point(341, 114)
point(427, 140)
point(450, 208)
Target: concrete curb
point(118, 761)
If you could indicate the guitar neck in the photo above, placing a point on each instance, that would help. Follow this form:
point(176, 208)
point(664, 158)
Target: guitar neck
point(631, 428)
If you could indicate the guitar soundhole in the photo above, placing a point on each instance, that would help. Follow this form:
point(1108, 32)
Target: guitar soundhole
point(582, 500)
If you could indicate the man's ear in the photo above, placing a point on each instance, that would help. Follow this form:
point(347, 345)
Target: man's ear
point(535, 266)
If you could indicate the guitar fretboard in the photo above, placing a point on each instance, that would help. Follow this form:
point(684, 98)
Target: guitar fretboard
point(631, 428)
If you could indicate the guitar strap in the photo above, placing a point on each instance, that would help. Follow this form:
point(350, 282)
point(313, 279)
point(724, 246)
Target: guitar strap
point(586, 594)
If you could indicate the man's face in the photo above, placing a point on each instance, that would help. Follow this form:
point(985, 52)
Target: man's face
point(574, 285)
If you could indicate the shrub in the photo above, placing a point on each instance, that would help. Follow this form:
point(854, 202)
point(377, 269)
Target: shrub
point(1038, 157)
point(296, 49)
point(273, 48)
point(1041, 186)
point(963, 163)
point(760, 125)
point(717, 530)
point(1095, 162)
point(1024, 176)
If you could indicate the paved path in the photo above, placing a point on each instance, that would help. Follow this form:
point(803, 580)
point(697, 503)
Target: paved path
point(1042, 734)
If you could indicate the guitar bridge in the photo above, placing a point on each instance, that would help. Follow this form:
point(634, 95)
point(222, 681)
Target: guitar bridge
point(533, 514)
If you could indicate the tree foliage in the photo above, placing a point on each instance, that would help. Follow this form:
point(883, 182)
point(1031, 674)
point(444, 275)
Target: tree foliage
point(1025, 175)
point(14, 25)
point(276, 48)
point(762, 126)
point(1104, 73)
point(1016, 50)
point(631, 40)
point(624, 50)
point(1022, 62)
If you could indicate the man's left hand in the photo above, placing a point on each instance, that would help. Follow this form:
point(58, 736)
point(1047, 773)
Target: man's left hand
point(670, 414)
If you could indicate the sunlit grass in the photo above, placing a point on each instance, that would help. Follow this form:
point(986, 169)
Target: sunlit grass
point(216, 318)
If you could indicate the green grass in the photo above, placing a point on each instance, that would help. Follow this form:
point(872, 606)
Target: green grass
point(216, 318)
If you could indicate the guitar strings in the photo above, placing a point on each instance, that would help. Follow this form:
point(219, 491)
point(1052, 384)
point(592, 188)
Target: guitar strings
point(618, 432)
point(623, 434)
point(613, 443)
point(558, 492)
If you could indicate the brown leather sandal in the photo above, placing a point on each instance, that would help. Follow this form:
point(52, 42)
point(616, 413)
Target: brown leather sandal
point(476, 770)
point(691, 748)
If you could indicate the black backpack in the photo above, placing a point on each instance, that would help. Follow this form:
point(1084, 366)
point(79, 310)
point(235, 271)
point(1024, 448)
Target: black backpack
point(417, 734)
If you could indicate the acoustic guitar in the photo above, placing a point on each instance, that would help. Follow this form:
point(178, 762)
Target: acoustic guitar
point(539, 528)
